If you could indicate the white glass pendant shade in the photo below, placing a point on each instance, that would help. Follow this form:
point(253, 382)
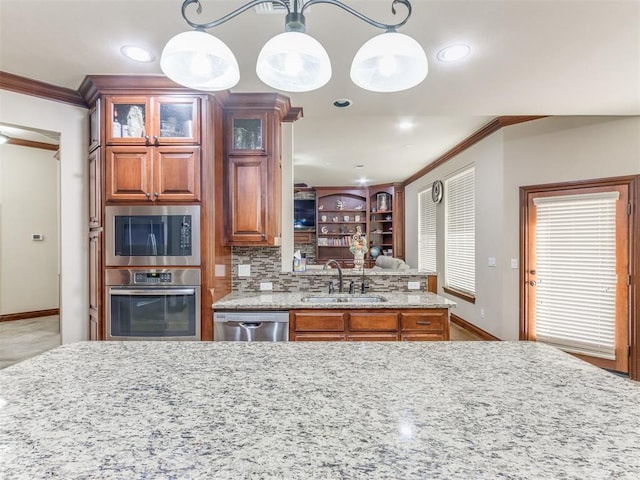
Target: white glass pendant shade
point(200, 61)
point(294, 62)
point(389, 62)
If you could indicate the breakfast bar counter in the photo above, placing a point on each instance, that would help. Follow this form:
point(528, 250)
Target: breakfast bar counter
point(343, 410)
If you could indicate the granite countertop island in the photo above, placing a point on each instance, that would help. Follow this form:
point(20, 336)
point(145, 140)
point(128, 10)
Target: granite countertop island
point(293, 300)
point(329, 411)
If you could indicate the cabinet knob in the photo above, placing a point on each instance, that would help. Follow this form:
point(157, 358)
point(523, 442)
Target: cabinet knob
point(155, 194)
point(155, 140)
point(146, 140)
point(147, 194)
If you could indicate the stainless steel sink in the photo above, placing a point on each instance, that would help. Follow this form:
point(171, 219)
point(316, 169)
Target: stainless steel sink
point(353, 299)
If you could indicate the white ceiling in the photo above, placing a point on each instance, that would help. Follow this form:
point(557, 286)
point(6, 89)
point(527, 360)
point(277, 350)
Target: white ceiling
point(529, 57)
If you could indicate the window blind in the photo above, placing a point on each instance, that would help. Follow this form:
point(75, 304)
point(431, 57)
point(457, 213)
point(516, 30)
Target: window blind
point(426, 232)
point(576, 272)
point(460, 239)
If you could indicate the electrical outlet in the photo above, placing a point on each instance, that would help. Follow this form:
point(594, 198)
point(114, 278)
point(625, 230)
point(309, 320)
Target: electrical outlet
point(482, 313)
point(244, 270)
point(514, 263)
point(413, 285)
point(266, 286)
point(492, 261)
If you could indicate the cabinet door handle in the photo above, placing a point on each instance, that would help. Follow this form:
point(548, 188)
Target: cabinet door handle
point(146, 140)
point(423, 322)
point(155, 140)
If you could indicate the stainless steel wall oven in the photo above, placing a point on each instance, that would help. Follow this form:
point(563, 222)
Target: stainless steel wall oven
point(153, 304)
point(142, 235)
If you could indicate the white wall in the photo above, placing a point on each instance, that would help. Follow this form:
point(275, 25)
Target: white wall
point(548, 150)
point(28, 205)
point(72, 123)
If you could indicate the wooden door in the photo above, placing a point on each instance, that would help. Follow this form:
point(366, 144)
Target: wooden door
point(128, 173)
point(176, 174)
point(568, 281)
point(248, 186)
point(95, 189)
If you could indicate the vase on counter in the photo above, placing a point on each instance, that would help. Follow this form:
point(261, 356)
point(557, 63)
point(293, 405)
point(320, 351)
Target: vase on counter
point(358, 260)
point(358, 248)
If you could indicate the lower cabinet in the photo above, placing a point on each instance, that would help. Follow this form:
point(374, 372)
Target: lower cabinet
point(377, 325)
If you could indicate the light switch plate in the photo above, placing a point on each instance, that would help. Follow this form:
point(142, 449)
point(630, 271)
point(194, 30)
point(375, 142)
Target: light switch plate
point(514, 263)
point(413, 285)
point(244, 270)
point(266, 286)
point(492, 261)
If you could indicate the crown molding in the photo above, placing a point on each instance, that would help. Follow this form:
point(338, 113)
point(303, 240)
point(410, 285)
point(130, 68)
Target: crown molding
point(480, 134)
point(36, 88)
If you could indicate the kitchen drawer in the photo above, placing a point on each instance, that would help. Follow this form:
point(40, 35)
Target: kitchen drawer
point(319, 337)
point(422, 337)
point(423, 321)
point(364, 322)
point(372, 337)
point(318, 321)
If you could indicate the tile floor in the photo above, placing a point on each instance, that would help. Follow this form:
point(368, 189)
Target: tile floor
point(22, 339)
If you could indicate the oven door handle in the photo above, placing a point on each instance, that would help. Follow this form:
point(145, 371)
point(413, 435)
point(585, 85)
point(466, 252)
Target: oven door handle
point(152, 291)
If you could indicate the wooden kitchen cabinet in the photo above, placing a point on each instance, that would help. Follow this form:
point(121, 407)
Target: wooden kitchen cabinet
point(429, 324)
point(139, 173)
point(95, 188)
point(95, 284)
point(253, 167)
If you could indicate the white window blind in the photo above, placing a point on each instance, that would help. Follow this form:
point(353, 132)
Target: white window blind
point(576, 272)
point(460, 266)
point(426, 232)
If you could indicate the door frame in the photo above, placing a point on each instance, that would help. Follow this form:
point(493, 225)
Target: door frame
point(633, 184)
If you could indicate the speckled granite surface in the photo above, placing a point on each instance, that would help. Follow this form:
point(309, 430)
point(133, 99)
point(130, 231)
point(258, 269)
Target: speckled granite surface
point(274, 301)
point(343, 410)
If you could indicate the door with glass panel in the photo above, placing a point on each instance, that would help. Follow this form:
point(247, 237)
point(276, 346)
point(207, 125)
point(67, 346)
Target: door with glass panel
point(576, 272)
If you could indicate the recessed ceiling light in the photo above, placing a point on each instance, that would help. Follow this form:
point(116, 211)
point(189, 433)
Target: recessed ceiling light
point(453, 53)
point(342, 103)
point(405, 125)
point(137, 54)
point(363, 180)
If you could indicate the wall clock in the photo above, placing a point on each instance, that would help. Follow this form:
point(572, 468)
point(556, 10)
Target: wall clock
point(436, 191)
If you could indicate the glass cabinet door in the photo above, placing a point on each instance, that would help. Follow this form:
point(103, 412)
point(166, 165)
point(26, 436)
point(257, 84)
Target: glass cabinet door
point(248, 134)
point(127, 120)
point(176, 120)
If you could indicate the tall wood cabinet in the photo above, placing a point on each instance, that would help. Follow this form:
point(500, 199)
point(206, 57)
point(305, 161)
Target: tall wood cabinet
point(154, 142)
point(253, 167)
point(145, 145)
point(386, 219)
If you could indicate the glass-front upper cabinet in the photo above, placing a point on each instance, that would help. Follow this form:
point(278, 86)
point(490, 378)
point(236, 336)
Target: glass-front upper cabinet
point(142, 120)
point(248, 133)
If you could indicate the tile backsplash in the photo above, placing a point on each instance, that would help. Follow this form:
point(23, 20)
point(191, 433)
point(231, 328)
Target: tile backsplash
point(265, 267)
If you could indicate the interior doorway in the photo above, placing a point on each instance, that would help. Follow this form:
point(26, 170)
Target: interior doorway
point(30, 225)
point(578, 261)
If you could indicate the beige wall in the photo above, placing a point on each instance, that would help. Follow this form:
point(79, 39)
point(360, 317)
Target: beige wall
point(72, 123)
point(542, 151)
point(29, 184)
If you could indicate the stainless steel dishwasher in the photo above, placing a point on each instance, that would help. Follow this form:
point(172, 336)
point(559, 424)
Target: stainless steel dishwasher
point(251, 326)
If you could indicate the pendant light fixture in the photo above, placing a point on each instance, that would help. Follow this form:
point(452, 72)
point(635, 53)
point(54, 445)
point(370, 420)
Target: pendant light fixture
point(293, 61)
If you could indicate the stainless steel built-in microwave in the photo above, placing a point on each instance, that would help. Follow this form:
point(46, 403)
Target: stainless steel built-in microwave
point(144, 235)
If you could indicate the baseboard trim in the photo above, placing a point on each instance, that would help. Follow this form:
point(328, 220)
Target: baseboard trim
point(470, 327)
point(22, 315)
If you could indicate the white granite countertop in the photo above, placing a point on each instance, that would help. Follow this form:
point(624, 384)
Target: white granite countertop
point(329, 411)
point(293, 300)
